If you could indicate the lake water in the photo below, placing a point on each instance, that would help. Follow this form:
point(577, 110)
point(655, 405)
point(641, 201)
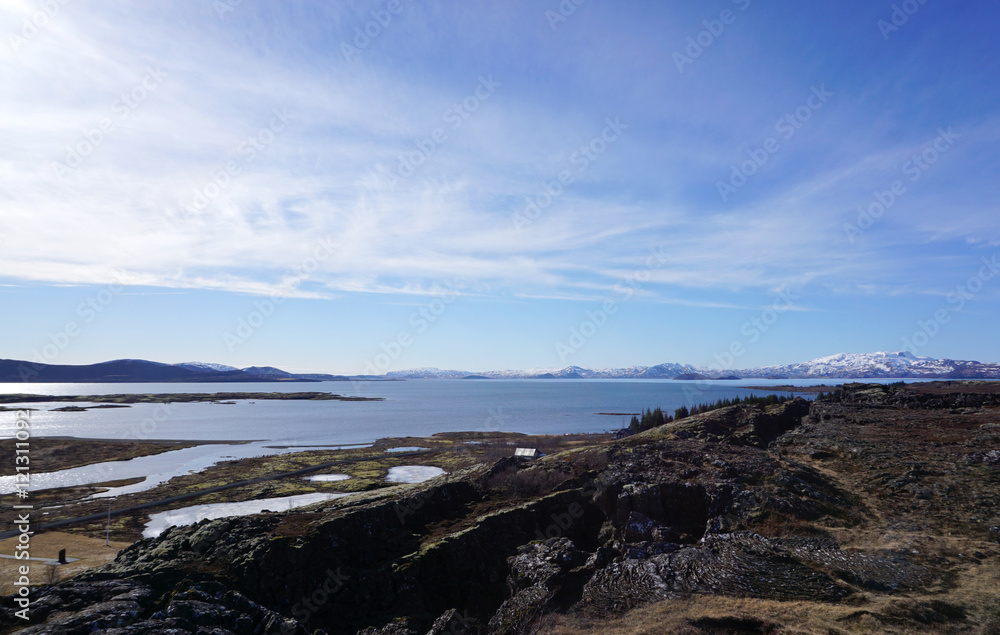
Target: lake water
point(410, 408)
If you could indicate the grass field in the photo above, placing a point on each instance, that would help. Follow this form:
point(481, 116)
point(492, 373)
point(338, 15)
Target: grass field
point(91, 552)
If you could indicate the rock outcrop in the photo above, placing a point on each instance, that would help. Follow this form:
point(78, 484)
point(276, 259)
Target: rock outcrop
point(743, 502)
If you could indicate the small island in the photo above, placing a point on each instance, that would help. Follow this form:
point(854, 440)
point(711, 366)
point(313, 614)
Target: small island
point(85, 408)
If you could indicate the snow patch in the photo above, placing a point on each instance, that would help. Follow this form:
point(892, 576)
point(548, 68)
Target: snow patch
point(413, 473)
point(328, 478)
point(158, 523)
point(206, 367)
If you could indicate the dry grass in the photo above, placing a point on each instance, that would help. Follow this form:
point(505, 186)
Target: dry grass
point(91, 553)
point(680, 615)
point(700, 614)
point(527, 483)
point(946, 531)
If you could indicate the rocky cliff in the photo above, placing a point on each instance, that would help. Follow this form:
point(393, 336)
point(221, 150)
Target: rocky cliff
point(830, 505)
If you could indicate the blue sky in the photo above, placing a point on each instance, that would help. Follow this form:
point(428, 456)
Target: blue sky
point(265, 183)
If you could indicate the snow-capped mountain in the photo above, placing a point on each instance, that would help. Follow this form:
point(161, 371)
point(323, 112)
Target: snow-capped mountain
point(899, 365)
point(266, 371)
point(570, 372)
point(881, 364)
point(666, 370)
point(206, 367)
point(427, 373)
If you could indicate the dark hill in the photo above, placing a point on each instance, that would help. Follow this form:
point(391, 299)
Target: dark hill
point(122, 370)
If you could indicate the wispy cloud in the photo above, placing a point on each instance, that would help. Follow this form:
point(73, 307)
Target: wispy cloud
point(128, 205)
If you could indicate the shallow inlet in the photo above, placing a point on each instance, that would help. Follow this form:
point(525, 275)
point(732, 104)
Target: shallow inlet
point(155, 468)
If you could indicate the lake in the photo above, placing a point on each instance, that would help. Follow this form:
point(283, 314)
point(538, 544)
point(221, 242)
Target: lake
point(410, 408)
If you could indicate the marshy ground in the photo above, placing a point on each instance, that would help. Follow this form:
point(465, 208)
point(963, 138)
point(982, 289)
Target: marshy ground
point(367, 468)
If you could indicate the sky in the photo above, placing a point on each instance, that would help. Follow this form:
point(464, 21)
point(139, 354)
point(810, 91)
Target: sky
point(376, 186)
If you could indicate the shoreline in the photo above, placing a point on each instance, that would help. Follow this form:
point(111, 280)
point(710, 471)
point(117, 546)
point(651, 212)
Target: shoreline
point(187, 442)
point(794, 389)
point(267, 476)
point(60, 453)
point(179, 397)
point(938, 386)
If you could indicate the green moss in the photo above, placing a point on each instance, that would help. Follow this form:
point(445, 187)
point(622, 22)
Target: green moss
point(366, 467)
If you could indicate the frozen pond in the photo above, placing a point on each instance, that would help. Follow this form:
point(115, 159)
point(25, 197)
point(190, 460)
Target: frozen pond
point(413, 473)
point(155, 469)
point(328, 478)
point(188, 515)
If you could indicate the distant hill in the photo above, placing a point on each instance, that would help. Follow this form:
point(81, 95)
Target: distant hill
point(130, 370)
point(897, 365)
point(271, 373)
point(203, 367)
point(267, 371)
point(690, 376)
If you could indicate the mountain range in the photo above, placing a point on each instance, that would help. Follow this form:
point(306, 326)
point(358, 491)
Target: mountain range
point(898, 365)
